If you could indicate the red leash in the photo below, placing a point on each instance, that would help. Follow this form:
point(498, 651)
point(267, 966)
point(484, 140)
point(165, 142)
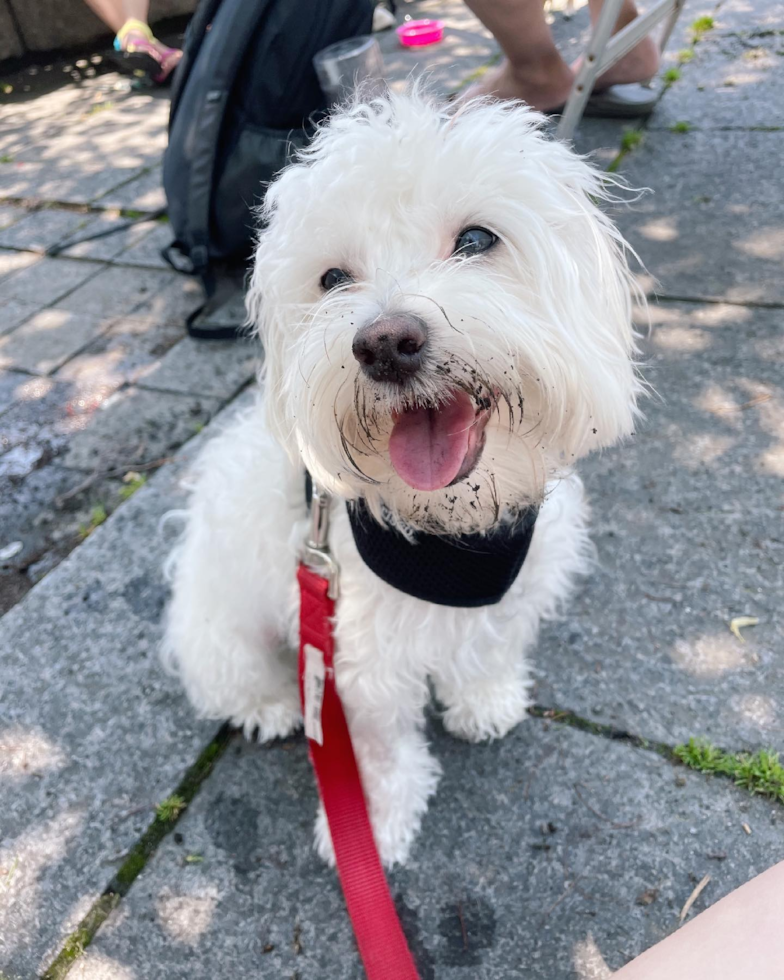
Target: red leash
point(382, 945)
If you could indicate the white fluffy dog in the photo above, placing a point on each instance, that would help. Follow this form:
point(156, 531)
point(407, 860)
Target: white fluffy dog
point(446, 316)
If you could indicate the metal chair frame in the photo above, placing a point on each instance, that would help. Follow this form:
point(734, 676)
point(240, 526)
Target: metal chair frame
point(604, 50)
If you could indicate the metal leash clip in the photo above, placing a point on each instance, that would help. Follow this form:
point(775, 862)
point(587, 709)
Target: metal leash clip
point(315, 551)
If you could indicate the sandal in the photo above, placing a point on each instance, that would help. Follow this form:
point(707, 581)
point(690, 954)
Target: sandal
point(138, 50)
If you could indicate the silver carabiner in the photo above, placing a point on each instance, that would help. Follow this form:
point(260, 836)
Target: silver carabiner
point(315, 551)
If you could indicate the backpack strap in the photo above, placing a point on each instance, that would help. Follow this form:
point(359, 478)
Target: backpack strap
point(194, 36)
point(226, 56)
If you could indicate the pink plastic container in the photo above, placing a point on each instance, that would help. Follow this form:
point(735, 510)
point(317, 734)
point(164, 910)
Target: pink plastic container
point(414, 33)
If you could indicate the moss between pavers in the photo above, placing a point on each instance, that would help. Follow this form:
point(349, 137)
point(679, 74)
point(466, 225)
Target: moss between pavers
point(167, 815)
point(573, 720)
point(759, 772)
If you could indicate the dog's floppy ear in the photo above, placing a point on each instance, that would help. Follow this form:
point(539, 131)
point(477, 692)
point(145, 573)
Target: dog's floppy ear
point(588, 293)
point(265, 313)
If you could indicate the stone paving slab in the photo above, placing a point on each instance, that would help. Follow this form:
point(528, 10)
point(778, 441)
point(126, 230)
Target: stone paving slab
point(146, 249)
point(218, 368)
point(48, 518)
point(59, 181)
point(131, 348)
point(749, 15)
point(93, 732)
point(175, 303)
point(111, 246)
point(10, 214)
point(731, 83)
point(117, 291)
point(688, 521)
point(131, 133)
point(228, 314)
point(143, 193)
point(48, 339)
point(37, 427)
point(37, 230)
point(46, 280)
point(13, 313)
point(134, 426)
point(538, 855)
point(10, 384)
point(713, 227)
point(12, 262)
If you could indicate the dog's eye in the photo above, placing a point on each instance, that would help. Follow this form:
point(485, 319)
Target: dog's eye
point(335, 277)
point(474, 241)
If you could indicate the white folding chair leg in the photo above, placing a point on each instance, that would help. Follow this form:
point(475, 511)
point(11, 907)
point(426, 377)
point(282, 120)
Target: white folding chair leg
point(589, 69)
point(603, 52)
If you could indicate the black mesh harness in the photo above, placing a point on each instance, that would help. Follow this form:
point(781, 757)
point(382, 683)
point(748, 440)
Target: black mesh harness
point(466, 570)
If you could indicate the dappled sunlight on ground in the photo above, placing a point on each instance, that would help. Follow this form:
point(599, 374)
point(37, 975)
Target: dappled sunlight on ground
point(764, 243)
point(26, 753)
point(681, 338)
point(660, 229)
point(758, 710)
point(697, 450)
point(25, 861)
point(713, 655)
point(589, 964)
point(98, 966)
point(185, 918)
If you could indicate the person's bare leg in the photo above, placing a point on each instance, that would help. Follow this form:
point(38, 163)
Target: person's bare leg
point(638, 65)
point(114, 13)
point(738, 938)
point(533, 70)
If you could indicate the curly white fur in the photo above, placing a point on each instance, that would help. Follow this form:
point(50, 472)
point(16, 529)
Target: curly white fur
point(543, 320)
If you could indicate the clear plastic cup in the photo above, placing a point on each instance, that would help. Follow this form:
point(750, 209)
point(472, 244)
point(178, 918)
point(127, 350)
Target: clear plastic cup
point(348, 65)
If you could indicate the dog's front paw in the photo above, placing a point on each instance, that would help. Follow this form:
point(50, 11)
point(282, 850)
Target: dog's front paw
point(397, 801)
point(270, 721)
point(393, 839)
point(487, 710)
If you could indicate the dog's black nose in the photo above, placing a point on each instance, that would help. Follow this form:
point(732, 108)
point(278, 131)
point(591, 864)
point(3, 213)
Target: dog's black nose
point(391, 348)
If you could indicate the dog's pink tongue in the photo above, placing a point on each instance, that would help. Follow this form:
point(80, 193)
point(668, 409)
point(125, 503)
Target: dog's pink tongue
point(428, 445)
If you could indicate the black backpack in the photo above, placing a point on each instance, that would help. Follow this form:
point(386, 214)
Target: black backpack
point(245, 96)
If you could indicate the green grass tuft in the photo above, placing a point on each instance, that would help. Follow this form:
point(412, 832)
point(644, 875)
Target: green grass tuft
point(630, 139)
point(701, 25)
point(685, 56)
point(6, 158)
point(136, 482)
point(759, 772)
point(169, 809)
point(81, 937)
point(672, 75)
point(681, 127)
point(99, 107)
point(97, 516)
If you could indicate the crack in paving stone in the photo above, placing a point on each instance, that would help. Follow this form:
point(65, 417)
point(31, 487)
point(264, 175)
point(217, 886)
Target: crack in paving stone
point(759, 773)
point(164, 823)
point(702, 300)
